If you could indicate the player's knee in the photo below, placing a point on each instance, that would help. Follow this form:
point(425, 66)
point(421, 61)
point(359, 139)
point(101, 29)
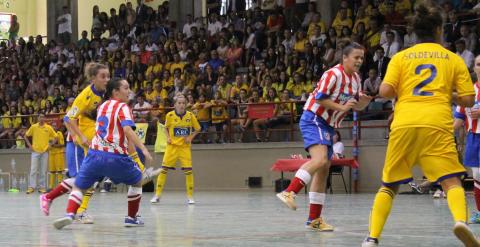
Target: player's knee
point(188, 172)
point(320, 163)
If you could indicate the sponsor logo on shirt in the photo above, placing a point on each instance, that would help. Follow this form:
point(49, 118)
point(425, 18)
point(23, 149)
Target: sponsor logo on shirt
point(181, 131)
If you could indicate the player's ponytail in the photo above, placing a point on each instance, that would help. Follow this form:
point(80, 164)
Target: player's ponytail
point(113, 84)
point(425, 20)
point(91, 69)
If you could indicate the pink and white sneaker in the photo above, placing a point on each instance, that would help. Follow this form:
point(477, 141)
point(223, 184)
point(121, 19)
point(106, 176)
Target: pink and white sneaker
point(45, 204)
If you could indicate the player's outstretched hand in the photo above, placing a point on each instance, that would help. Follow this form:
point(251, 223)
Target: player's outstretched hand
point(364, 98)
point(350, 103)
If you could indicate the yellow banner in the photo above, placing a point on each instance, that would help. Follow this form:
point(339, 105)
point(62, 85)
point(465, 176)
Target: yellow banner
point(161, 142)
point(141, 131)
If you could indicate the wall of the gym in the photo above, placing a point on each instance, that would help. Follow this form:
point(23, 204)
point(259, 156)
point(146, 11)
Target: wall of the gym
point(226, 167)
point(31, 15)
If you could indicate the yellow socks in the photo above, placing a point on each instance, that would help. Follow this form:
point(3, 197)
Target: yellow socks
point(457, 203)
point(137, 160)
point(59, 177)
point(189, 182)
point(380, 211)
point(162, 178)
point(85, 201)
point(51, 180)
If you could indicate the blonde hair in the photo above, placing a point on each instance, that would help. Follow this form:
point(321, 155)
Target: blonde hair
point(179, 96)
point(91, 69)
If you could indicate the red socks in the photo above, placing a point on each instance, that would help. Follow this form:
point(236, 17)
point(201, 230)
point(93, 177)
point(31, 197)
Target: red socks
point(315, 211)
point(74, 202)
point(302, 177)
point(134, 196)
point(62, 188)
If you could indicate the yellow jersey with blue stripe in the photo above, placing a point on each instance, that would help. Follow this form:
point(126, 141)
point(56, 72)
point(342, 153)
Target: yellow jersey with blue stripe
point(84, 109)
point(424, 77)
point(180, 126)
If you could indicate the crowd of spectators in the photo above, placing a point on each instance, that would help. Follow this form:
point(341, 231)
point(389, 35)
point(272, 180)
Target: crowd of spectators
point(256, 55)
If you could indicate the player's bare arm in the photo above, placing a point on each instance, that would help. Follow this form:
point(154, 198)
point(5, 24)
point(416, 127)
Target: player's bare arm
point(387, 91)
point(131, 136)
point(330, 104)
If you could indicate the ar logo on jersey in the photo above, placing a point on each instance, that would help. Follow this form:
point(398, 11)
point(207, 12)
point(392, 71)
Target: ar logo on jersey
point(181, 131)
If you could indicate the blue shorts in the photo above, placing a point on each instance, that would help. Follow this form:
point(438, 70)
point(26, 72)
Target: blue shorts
point(316, 131)
point(75, 158)
point(472, 150)
point(99, 164)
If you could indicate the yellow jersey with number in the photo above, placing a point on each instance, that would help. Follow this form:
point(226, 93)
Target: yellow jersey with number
point(180, 126)
point(424, 77)
point(84, 109)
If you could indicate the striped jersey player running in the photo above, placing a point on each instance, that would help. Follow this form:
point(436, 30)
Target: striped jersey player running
point(338, 91)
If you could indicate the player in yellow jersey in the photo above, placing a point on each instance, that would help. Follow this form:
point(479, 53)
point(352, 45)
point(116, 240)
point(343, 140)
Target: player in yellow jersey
point(80, 122)
point(181, 127)
point(56, 163)
point(423, 79)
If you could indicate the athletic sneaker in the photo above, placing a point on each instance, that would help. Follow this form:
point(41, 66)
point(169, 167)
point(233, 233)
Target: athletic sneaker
point(45, 204)
point(475, 218)
point(318, 225)
point(465, 234)
point(415, 187)
point(155, 200)
point(133, 222)
point(149, 173)
point(84, 218)
point(30, 190)
point(370, 242)
point(190, 201)
point(288, 198)
point(42, 191)
point(62, 222)
point(437, 194)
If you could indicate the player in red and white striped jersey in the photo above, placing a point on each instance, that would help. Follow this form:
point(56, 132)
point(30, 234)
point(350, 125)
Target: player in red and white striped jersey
point(468, 116)
point(108, 154)
point(336, 93)
point(110, 136)
point(337, 86)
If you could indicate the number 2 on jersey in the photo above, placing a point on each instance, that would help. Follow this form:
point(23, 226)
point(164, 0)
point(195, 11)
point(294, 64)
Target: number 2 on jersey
point(433, 73)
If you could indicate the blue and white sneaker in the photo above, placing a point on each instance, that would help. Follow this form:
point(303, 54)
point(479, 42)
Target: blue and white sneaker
point(62, 222)
point(475, 218)
point(370, 242)
point(133, 222)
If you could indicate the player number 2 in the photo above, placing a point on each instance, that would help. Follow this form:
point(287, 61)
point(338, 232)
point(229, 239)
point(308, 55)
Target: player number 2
point(433, 73)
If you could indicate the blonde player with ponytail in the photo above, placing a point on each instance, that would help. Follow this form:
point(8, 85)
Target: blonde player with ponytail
point(80, 122)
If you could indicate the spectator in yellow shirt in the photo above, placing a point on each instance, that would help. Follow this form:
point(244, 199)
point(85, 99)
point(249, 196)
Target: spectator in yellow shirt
point(219, 116)
point(42, 134)
point(342, 20)
point(56, 160)
point(201, 109)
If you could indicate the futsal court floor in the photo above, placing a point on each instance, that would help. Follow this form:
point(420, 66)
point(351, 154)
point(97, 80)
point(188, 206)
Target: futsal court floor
point(233, 218)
